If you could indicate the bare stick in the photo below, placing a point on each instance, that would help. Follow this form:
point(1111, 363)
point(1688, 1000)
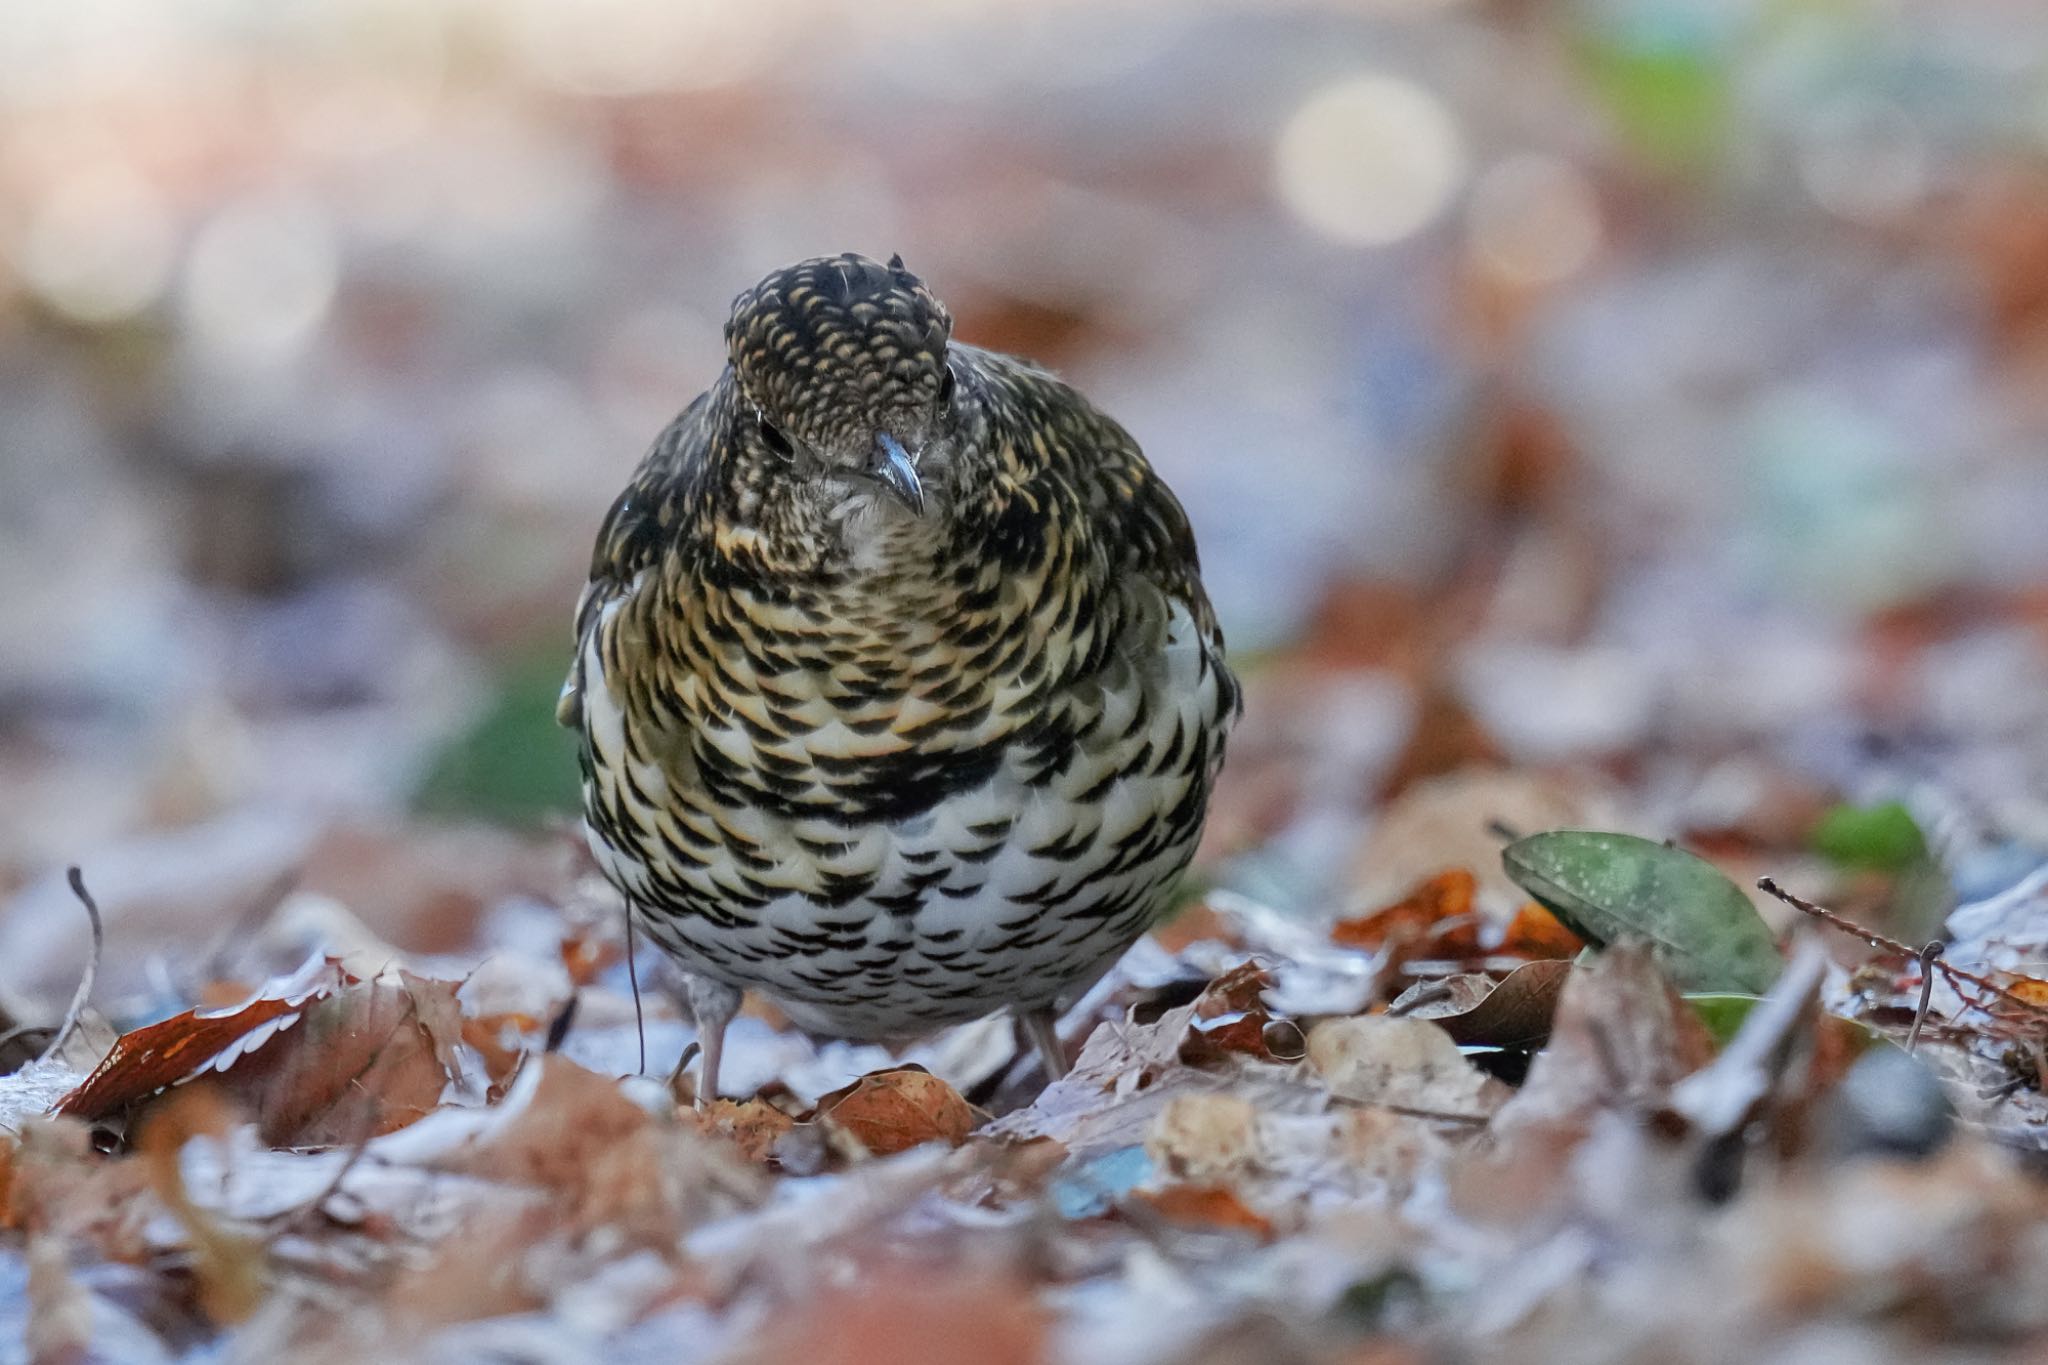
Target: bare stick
point(1956, 975)
point(92, 967)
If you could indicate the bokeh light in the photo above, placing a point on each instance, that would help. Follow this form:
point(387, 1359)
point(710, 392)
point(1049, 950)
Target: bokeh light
point(99, 244)
point(1370, 160)
point(261, 277)
point(1534, 219)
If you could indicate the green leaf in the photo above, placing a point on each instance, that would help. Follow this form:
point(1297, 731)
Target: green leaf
point(1701, 928)
point(514, 764)
point(1883, 837)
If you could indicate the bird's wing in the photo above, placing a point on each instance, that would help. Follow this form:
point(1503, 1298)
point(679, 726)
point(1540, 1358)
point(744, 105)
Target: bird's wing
point(641, 520)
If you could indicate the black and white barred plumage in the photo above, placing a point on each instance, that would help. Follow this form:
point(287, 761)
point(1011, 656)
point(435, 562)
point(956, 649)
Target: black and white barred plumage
point(899, 695)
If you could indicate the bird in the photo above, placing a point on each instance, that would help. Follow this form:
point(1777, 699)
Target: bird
point(897, 695)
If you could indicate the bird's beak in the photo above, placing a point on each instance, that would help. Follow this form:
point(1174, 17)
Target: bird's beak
point(897, 472)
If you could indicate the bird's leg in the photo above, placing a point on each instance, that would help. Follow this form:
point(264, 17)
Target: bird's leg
point(712, 1004)
point(1042, 1025)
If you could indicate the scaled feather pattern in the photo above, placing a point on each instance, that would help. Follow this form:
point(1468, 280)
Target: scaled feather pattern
point(899, 696)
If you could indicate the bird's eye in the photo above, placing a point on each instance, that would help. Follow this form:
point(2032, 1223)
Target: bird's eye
point(772, 437)
point(946, 388)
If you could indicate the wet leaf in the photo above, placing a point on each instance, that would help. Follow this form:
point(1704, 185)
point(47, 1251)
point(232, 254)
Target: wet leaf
point(1704, 933)
point(892, 1111)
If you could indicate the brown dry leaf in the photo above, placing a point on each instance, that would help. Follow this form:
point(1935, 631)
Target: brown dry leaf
point(892, 1111)
point(362, 1062)
point(752, 1126)
point(1230, 1018)
point(1620, 1035)
point(920, 1313)
point(162, 1054)
point(1516, 1012)
point(317, 1059)
point(1214, 1207)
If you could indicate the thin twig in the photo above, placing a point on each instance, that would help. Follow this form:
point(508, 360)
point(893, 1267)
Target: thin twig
point(1955, 974)
point(92, 968)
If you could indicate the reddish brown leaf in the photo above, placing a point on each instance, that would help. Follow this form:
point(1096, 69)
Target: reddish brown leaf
point(162, 1054)
point(1230, 1017)
point(320, 1059)
point(893, 1111)
point(364, 1061)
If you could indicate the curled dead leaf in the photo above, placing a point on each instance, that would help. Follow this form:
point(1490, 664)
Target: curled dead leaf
point(1231, 1018)
point(892, 1111)
point(162, 1054)
point(1514, 1012)
point(319, 1058)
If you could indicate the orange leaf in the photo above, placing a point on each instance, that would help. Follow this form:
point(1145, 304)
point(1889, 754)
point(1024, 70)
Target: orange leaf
point(1436, 917)
point(1535, 933)
point(893, 1111)
point(1207, 1206)
point(2030, 989)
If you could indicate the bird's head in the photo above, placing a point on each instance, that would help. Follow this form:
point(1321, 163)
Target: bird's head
point(841, 363)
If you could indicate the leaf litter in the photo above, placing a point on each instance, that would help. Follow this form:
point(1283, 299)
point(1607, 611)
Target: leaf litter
point(1444, 1128)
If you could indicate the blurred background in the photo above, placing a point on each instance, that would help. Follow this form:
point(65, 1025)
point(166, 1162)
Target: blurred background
point(1643, 402)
